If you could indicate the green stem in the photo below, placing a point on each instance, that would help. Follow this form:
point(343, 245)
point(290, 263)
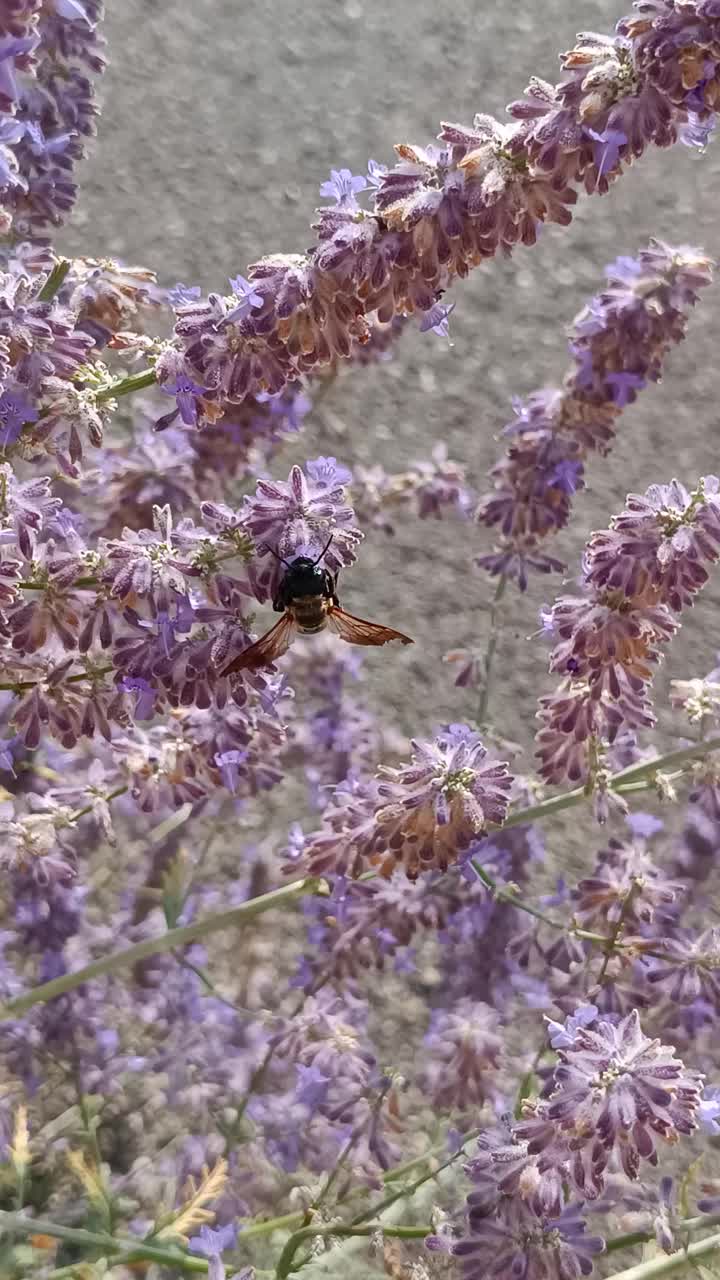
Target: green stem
point(612, 942)
point(17, 686)
point(619, 782)
point(126, 386)
point(381, 1205)
point(643, 1237)
point(134, 1249)
point(209, 985)
point(287, 1222)
point(165, 942)
point(54, 280)
point(285, 1261)
point(508, 895)
point(663, 764)
point(493, 636)
point(80, 813)
point(667, 1263)
point(258, 1075)
point(347, 1149)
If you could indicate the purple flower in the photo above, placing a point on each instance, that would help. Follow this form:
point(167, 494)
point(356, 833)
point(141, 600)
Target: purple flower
point(437, 319)
point(566, 475)
point(418, 817)
point(15, 411)
point(328, 473)
point(56, 108)
point(10, 49)
point(28, 505)
point(149, 562)
point(691, 965)
point(644, 825)
point(562, 1035)
point(625, 1090)
point(186, 394)
point(7, 759)
point(625, 885)
point(312, 1086)
point(304, 511)
point(375, 173)
point(210, 1243)
point(228, 762)
point(606, 150)
point(181, 294)
point(145, 696)
point(523, 1245)
point(618, 345)
point(247, 297)
point(659, 543)
point(623, 386)
point(342, 187)
point(72, 11)
point(697, 132)
point(709, 1111)
point(462, 1054)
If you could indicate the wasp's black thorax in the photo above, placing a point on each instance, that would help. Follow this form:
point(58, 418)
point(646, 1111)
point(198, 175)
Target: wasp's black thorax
point(306, 589)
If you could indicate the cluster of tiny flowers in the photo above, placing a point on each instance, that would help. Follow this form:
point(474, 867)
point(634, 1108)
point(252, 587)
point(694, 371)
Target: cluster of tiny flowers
point(625, 886)
point(618, 343)
point(462, 1048)
point(638, 576)
point(446, 207)
point(50, 52)
point(421, 816)
point(649, 909)
point(340, 1096)
point(381, 923)
point(432, 489)
point(128, 643)
point(53, 399)
point(612, 1095)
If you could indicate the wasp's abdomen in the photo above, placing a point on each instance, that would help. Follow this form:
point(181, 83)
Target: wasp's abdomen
point(309, 613)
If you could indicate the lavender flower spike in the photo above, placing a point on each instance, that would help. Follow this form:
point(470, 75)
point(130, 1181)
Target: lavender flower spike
point(420, 816)
point(619, 343)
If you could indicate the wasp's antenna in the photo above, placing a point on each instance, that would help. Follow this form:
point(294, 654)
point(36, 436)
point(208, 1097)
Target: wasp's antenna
point(322, 553)
point(282, 559)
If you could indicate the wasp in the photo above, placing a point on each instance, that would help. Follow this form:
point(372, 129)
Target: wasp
point(308, 601)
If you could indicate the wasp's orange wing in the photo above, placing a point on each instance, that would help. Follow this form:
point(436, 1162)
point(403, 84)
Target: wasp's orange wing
point(358, 631)
point(272, 645)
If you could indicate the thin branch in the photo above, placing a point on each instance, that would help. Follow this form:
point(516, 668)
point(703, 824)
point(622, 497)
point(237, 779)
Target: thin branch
point(133, 1250)
point(667, 1263)
point(492, 640)
point(165, 942)
point(643, 1237)
point(285, 1261)
point(125, 386)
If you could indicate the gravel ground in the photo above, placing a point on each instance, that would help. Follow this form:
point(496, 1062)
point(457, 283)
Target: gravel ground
point(220, 122)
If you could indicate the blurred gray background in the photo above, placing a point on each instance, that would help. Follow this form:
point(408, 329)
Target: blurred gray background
point(221, 120)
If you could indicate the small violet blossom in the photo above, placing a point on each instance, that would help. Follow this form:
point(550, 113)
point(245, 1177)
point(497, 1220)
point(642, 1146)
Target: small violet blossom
point(342, 187)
